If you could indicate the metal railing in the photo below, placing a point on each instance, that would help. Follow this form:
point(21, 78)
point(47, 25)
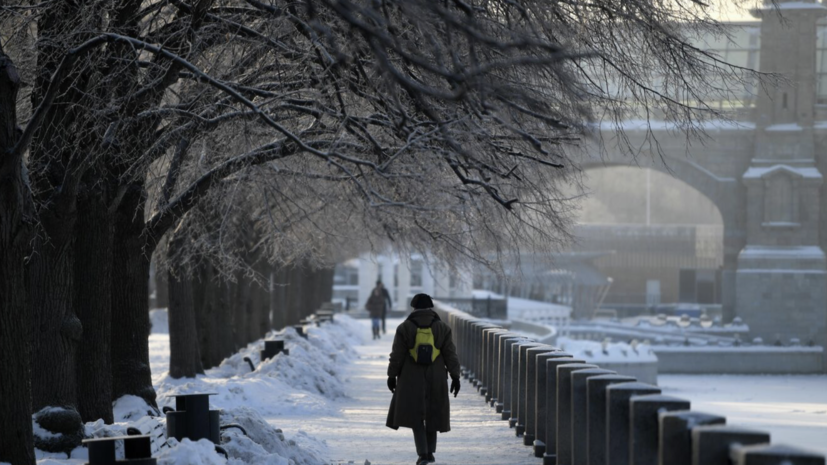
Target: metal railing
point(572, 412)
point(558, 317)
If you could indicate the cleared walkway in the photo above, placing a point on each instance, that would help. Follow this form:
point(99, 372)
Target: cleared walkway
point(477, 435)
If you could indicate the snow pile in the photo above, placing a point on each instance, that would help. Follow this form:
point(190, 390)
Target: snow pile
point(131, 407)
point(188, 452)
point(263, 444)
point(301, 382)
point(614, 352)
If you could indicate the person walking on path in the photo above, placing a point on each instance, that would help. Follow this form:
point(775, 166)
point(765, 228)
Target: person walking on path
point(422, 357)
point(376, 307)
point(387, 302)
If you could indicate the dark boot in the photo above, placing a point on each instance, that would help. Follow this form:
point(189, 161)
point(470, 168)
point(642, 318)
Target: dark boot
point(422, 460)
point(431, 458)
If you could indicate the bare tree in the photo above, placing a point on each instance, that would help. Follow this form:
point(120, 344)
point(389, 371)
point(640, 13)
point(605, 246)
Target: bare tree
point(438, 125)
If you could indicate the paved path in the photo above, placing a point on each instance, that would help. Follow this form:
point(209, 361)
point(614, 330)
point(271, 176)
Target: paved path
point(477, 434)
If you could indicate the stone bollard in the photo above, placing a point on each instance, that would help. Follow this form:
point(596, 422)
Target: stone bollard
point(514, 382)
point(473, 351)
point(579, 413)
point(596, 418)
point(520, 393)
point(493, 393)
point(300, 330)
point(530, 402)
point(271, 349)
point(508, 376)
point(479, 351)
point(675, 435)
point(550, 455)
point(618, 412)
point(462, 347)
point(644, 411)
point(564, 410)
point(774, 455)
point(193, 419)
point(487, 366)
point(499, 371)
point(711, 444)
point(494, 388)
point(541, 407)
point(137, 450)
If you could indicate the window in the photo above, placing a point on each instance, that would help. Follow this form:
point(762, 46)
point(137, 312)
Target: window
point(821, 65)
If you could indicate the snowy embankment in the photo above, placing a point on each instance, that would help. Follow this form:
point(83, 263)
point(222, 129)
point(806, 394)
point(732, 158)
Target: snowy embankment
point(306, 382)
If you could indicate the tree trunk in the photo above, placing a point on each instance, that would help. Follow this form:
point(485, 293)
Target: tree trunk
point(16, 440)
point(206, 313)
point(93, 304)
point(162, 290)
point(130, 289)
point(56, 330)
point(226, 328)
point(278, 319)
point(185, 353)
point(240, 308)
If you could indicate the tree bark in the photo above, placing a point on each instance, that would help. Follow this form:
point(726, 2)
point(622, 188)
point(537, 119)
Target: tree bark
point(185, 353)
point(278, 319)
point(162, 289)
point(240, 308)
point(130, 313)
point(56, 330)
point(206, 313)
point(16, 440)
point(93, 304)
point(226, 328)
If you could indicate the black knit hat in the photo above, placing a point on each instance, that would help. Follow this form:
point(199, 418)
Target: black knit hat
point(422, 301)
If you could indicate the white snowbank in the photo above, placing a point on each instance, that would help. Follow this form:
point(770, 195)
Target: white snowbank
point(303, 381)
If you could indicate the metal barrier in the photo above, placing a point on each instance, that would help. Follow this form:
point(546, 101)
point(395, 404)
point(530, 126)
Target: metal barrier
point(574, 413)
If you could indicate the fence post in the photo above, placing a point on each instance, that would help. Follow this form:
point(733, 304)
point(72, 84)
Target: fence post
point(565, 411)
point(711, 444)
point(508, 374)
point(774, 455)
point(618, 401)
point(675, 435)
point(531, 394)
point(522, 375)
point(542, 407)
point(550, 455)
point(596, 406)
point(644, 411)
point(579, 413)
point(498, 372)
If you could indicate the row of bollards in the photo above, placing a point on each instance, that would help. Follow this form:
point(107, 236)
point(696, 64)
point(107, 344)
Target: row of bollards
point(575, 413)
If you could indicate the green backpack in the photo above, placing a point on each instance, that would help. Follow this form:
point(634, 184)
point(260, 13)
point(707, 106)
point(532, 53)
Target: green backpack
point(424, 351)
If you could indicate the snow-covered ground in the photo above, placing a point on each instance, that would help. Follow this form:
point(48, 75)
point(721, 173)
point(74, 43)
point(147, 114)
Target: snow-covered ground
point(304, 384)
point(326, 403)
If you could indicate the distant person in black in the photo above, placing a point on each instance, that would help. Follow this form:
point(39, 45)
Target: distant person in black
point(388, 303)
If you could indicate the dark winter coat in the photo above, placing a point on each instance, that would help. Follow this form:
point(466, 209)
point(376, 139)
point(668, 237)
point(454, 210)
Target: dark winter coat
point(375, 305)
point(422, 390)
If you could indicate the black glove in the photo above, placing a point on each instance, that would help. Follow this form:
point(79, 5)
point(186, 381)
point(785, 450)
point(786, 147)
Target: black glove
point(455, 386)
point(392, 383)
